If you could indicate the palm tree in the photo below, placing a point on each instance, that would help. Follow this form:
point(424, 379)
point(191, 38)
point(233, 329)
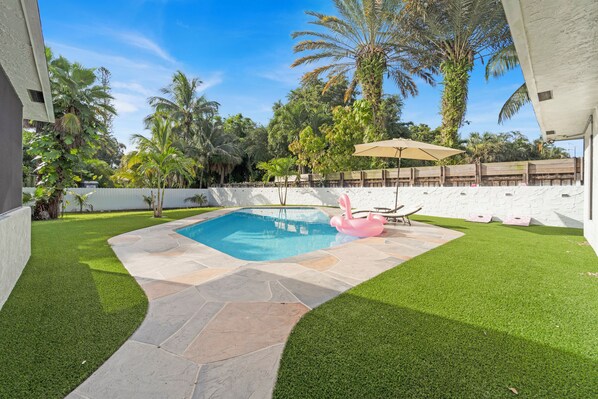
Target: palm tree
point(198, 199)
point(453, 34)
point(365, 42)
point(82, 200)
point(279, 168)
point(81, 108)
point(502, 61)
point(160, 160)
point(183, 104)
point(215, 149)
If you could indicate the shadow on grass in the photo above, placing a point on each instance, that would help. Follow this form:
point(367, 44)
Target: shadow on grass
point(548, 230)
point(354, 347)
point(441, 223)
point(61, 324)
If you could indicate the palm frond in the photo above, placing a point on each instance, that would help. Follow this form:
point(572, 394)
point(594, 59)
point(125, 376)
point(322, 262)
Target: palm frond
point(502, 61)
point(517, 100)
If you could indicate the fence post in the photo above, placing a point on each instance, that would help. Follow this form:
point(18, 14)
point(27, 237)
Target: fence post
point(526, 174)
point(478, 173)
point(342, 179)
point(383, 177)
point(362, 175)
point(441, 175)
point(411, 177)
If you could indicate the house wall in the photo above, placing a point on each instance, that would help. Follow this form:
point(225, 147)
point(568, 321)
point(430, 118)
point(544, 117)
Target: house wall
point(590, 218)
point(15, 220)
point(547, 205)
point(11, 147)
point(15, 248)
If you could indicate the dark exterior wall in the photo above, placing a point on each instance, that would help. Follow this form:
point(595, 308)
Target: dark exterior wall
point(11, 146)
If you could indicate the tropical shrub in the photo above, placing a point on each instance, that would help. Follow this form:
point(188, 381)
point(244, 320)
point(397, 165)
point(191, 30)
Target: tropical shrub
point(198, 199)
point(82, 200)
point(280, 169)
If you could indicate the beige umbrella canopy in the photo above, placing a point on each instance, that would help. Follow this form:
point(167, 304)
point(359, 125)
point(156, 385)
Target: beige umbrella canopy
point(404, 148)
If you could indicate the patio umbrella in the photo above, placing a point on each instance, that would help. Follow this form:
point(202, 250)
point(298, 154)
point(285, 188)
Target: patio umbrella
point(404, 148)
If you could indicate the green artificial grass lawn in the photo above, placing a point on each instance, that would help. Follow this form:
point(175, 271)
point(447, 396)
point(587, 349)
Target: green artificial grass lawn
point(73, 306)
point(501, 312)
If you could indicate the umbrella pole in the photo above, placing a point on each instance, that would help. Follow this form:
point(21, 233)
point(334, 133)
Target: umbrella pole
point(398, 175)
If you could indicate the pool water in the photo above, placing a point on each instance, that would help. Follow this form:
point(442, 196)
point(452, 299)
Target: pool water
point(259, 234)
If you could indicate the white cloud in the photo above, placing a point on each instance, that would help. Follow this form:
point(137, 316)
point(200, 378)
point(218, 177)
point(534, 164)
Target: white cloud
point(284, 74)
point(214, 80)
point(93, 58)
point(133, 87)
point(127, 103)
point(137, 40)
point(134, 79)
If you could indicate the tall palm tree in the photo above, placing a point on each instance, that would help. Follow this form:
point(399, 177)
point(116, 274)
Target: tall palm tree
point(160, 160)
point(182, 103)
point(365, 42)
point(81, 107)
point(502, 61)
point(454, 34)
point(215, 149)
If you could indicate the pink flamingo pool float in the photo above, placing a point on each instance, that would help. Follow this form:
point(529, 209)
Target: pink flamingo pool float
point(371, 226)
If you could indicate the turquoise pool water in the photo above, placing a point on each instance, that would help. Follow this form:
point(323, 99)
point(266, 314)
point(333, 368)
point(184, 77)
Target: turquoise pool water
point(260, 234)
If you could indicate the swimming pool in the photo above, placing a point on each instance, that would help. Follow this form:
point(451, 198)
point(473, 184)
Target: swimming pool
point(259, 234)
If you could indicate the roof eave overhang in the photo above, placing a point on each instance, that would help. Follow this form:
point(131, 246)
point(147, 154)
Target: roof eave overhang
point(32, 19)
point(519, 34)
point(527, 39)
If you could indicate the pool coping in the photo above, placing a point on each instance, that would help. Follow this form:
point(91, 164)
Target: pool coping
point(217, 325)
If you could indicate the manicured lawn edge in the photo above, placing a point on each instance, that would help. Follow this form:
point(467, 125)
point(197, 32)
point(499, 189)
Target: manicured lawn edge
point(497, 311)
point(73, 306)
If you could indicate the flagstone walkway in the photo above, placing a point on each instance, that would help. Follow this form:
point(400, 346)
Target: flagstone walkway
point(216, 325)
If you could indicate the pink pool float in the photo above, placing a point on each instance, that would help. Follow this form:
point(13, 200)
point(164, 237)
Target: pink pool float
point(371, 226)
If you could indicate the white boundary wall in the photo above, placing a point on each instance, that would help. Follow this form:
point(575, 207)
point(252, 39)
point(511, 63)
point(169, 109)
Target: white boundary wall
point(115, 199)
point(15, 248)
point(547, 205)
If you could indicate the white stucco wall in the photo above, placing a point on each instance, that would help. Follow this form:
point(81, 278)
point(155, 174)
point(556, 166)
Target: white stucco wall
point(590, 229)
point(547, 205)
point(115, 199)
point(15, 248)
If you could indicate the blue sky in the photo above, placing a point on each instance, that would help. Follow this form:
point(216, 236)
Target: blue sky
point(242, 51)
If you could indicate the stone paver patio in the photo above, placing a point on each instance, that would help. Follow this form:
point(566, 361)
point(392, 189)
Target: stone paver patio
point(216, 325)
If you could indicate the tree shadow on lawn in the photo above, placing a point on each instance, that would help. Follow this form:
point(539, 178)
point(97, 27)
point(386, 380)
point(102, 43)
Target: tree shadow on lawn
point(548, 230)
point(440, 222)
point(354, 347)
point(61, 322)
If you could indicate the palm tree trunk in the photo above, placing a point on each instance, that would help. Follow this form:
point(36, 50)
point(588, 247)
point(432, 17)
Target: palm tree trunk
point(286, 185)
point(455, 75)
point(162, 199)
point(279, 189)
point(157, 202)
point(370, 73)
point(54, 204)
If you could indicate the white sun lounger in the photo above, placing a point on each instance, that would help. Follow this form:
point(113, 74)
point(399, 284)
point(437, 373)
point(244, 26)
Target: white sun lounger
point(403, 214)
point(380, 211)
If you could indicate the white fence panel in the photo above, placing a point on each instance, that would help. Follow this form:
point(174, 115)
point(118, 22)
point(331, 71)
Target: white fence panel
point(547, 205)
point(115, 199)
